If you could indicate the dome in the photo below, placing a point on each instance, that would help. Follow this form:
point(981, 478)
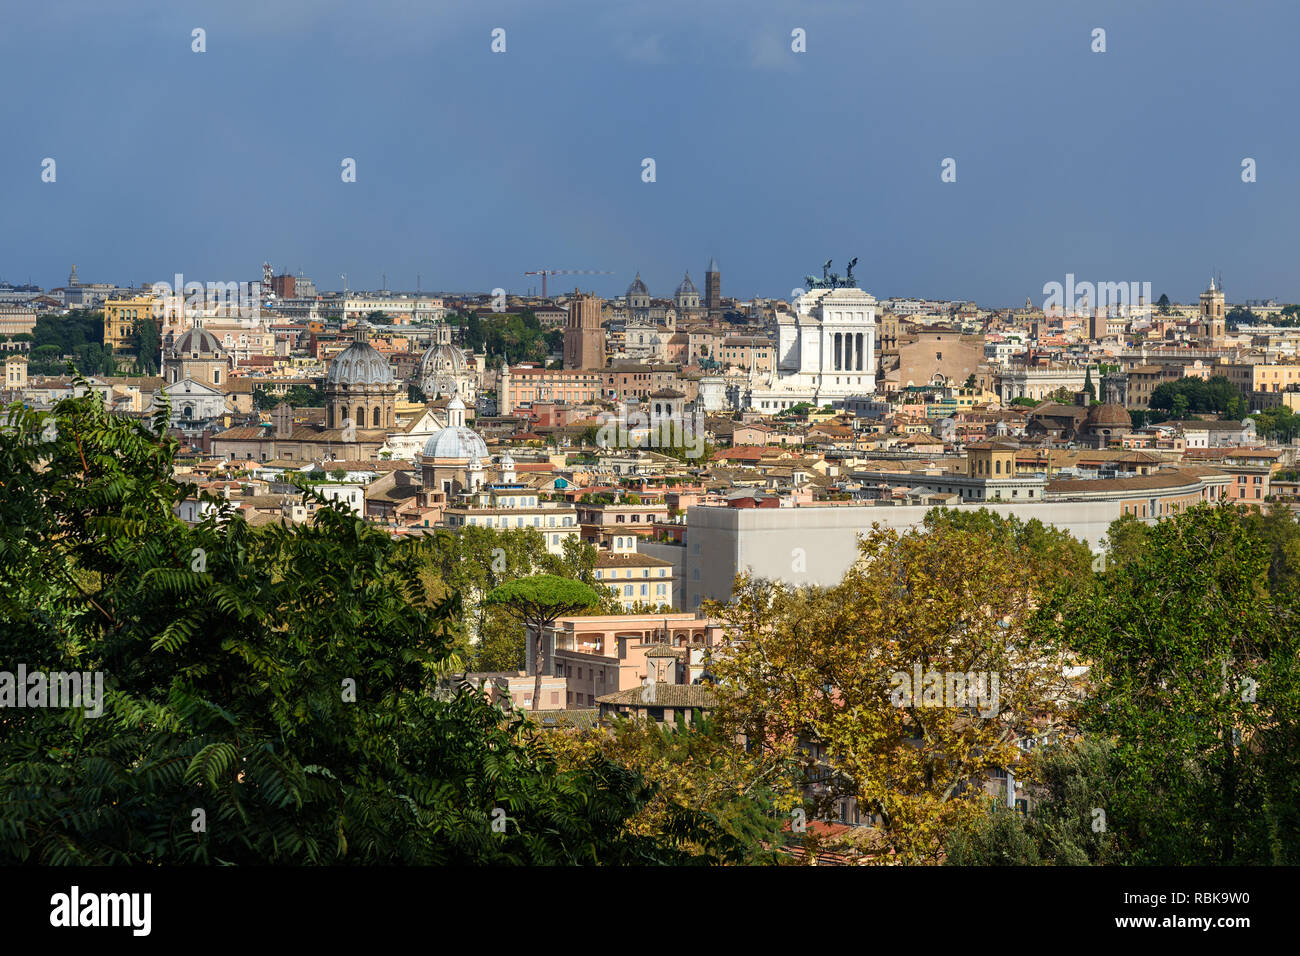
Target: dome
point(1109, 415)
point(456, 441)
point(506, 462)
point(442, 359)
point(687, 287)
point(197, 339)
point(637, 287)
point(359, 364)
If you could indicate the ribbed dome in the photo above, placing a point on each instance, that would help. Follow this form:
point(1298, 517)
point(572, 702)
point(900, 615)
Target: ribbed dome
point(1109, 416)
point(455, 442)
point(637, 287)
point(359, 364)
point(441, 359)
point(687, 287)
point(198, 339)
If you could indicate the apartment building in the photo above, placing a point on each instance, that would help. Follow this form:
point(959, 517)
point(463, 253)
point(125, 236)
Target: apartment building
point(605, 654)
point(636, 578)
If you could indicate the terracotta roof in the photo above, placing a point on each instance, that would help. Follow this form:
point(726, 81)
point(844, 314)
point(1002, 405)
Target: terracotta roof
point(663, 695)
point(1156, 482)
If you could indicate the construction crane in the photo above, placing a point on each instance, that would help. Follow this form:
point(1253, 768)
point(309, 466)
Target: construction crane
point(564, 272)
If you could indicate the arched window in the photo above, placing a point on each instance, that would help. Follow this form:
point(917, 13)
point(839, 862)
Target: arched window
point(360, 416)
point(377, 421)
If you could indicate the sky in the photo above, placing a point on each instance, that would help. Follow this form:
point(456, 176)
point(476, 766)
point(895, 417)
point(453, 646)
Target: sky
point(473, 167)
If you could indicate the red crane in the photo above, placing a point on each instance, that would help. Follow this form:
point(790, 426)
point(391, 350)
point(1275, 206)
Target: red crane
point(564, 272)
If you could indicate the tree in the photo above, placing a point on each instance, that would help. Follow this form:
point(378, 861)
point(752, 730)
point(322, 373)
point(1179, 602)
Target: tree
point(1278, 423)
point(1049, 556)
point(1062, 827)
point(1088, 386)
point(970, 381)
point(299, 396)
point(1240, 315)
point(833, 668)
point(1194, 657)
point(272, 695)
point(536, 602)
point(1162, 304)
point(698, 765)
point(148, 345)
point(1125, 540)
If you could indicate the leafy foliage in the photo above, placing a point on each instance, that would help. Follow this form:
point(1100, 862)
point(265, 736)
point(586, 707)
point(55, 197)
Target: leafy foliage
point(1194, 648)
point(812, 669)
point(1198, 395)
point(229, 656)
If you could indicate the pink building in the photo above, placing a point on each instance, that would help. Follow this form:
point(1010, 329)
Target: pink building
point(605, 654)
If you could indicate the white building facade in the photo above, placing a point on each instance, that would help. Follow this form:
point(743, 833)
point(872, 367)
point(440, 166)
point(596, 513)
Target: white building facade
point(825, 351)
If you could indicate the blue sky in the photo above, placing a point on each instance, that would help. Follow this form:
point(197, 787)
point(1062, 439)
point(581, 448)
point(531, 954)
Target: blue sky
point(473, 167)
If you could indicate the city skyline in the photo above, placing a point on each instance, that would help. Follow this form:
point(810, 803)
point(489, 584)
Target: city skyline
point(473, 167)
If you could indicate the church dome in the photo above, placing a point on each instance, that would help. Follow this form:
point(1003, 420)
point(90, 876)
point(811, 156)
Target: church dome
point(442, 359)
point(637, 287)
point(1109, 415)
point(457, 442)
point(687, 287)
point(359, 364)
point(197, 339)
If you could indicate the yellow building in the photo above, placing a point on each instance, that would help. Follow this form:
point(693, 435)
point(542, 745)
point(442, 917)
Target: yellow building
point(990, 460)
point(15, 372)
point(121, 316)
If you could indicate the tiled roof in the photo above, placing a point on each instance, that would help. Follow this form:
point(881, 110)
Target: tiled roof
point(662, 695)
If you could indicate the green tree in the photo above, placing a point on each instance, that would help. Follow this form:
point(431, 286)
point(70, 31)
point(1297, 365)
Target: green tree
point(1240, 315)
point(1125, 540)
point(700, 765)
point(148, 346)
point(1193, 660)
point(288, 682)
point(1088, 386)
point(536, 602)
point(1066, 825)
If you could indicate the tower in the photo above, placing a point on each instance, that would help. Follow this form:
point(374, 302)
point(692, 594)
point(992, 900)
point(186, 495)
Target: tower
point(505, 403)
point(1213, 317)
point(713, 290)
point(584, 339)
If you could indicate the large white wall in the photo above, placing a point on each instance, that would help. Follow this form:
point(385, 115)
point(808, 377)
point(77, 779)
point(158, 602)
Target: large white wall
point(817, 545)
